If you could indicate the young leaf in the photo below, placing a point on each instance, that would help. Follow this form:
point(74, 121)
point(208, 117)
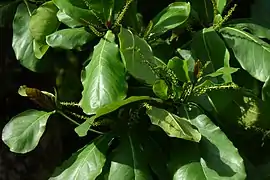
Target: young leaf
point(24, 131)
point(134, 52)
point(171, 17)
point(22, 42)
point(78, 11)
point(160, 88)
point(67, 20)
point(104, 78)
point(44, 21)
point(87, 163)
point(251, 52)
point(128, 161)
point(39, 49)
point(69, 38)
point(225, 72)
point(173, 125)
point(83, 128)
point(180, 68)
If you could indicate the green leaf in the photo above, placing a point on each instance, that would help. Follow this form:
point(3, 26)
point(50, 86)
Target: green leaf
point(22, 42)
point(204, 9)
point(223, 71)
point(87, 163)
point(134, 51)
point(24, 131)
point(173, 125)
point(220, 159)
point(39, 49)
point(44, 21)
point(266, 91)
point(251, 52)
point(69, 38)
point(160, 88)
point(251, 27)
point(78, 11)
point(180, 68)
point(128, 161)
point(83, 128)
point(104, 78)
point(67, 20)
point(171, 17)
point(221, 5)
point(102, 8)
point(208, 46)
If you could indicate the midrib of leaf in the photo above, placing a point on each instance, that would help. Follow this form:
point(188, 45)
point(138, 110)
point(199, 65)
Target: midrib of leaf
point(176, 123)
point(30, 126)
point(84, 159)
point(207, 50)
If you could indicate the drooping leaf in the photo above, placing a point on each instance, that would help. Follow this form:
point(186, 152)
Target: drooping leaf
point(171, 17)
point(24, 131)
point(134, 52)
point(160, 88)
point(44, 21)
point(128, 161)
point(83, 128)
point(251, 52)
point(173, 125)
point(69, 38)
point(87, 163)
point(77, 10)
point(104, 79)
point(251, 27)
point(22, 42)
point(67, 20)
point(180, 68)
point(208, 46)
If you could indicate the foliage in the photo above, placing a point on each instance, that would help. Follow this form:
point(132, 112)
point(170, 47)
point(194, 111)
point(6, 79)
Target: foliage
point(154, 118)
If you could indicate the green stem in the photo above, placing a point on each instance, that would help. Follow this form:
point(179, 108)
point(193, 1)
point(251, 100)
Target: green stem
point(27, 6)
point(67, 117)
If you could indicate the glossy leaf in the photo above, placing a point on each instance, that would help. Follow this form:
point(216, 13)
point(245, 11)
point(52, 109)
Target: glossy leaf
point(173, 125)
point(67, 20)
point(44, 21)
point(77, 10)
point(134, 51)
point(220, 158)
point(128, 161)
point(39, 49)
point(160, 88)
point(171, 17)
point(83, 128)
point(24, 131)
point(208, 46)
point(180, 68)
point(104, 78)
point(223, 71)
point(251, 52)
point(22, 42)
point(69, 38)
point(87, 163)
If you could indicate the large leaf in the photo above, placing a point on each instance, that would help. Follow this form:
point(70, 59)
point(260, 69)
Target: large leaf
point(67, 20)
point(128, 161)
point(83, 128)
point(87, 163)
point(78, 10)
point(22, 42)
point(69, 38)
point(24, 131)
point(208, 46)
point(44, 21)
point(134, 52)
point(104, 79)
point(251, 52)
point(171, 17)
point(173, 125)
